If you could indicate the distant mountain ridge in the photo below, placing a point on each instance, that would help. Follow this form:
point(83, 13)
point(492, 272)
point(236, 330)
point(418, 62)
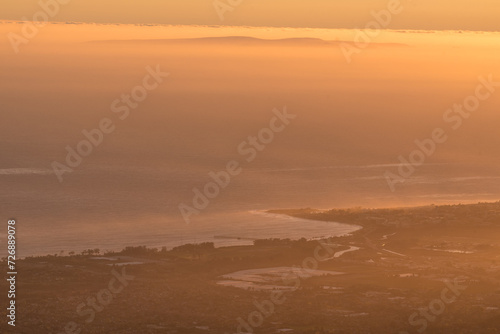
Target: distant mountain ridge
point(242, 40)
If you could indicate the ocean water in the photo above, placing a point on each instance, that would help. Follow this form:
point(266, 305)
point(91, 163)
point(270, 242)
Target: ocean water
point(110, 210)
point(352, 123)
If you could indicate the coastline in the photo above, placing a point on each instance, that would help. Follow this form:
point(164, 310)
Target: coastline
point(224, 230)
point(307, 223)
point(400, 261)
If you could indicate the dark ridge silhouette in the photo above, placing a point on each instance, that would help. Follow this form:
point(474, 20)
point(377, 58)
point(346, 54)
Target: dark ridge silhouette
point(242, 40)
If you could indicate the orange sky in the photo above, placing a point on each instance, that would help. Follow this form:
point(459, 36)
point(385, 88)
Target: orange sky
point(479, 15)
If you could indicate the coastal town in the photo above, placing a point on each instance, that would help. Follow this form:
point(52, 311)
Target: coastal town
point(432, 269)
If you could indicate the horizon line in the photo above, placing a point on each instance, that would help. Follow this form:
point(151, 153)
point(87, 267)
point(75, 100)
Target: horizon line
point(400, 30)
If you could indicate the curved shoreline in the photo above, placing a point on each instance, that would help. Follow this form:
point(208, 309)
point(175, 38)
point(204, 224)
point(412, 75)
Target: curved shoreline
point(237, 229)
point(287, 213)
point(273, 213)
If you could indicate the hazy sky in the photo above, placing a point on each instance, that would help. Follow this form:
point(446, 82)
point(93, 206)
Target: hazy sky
point(417, 14)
